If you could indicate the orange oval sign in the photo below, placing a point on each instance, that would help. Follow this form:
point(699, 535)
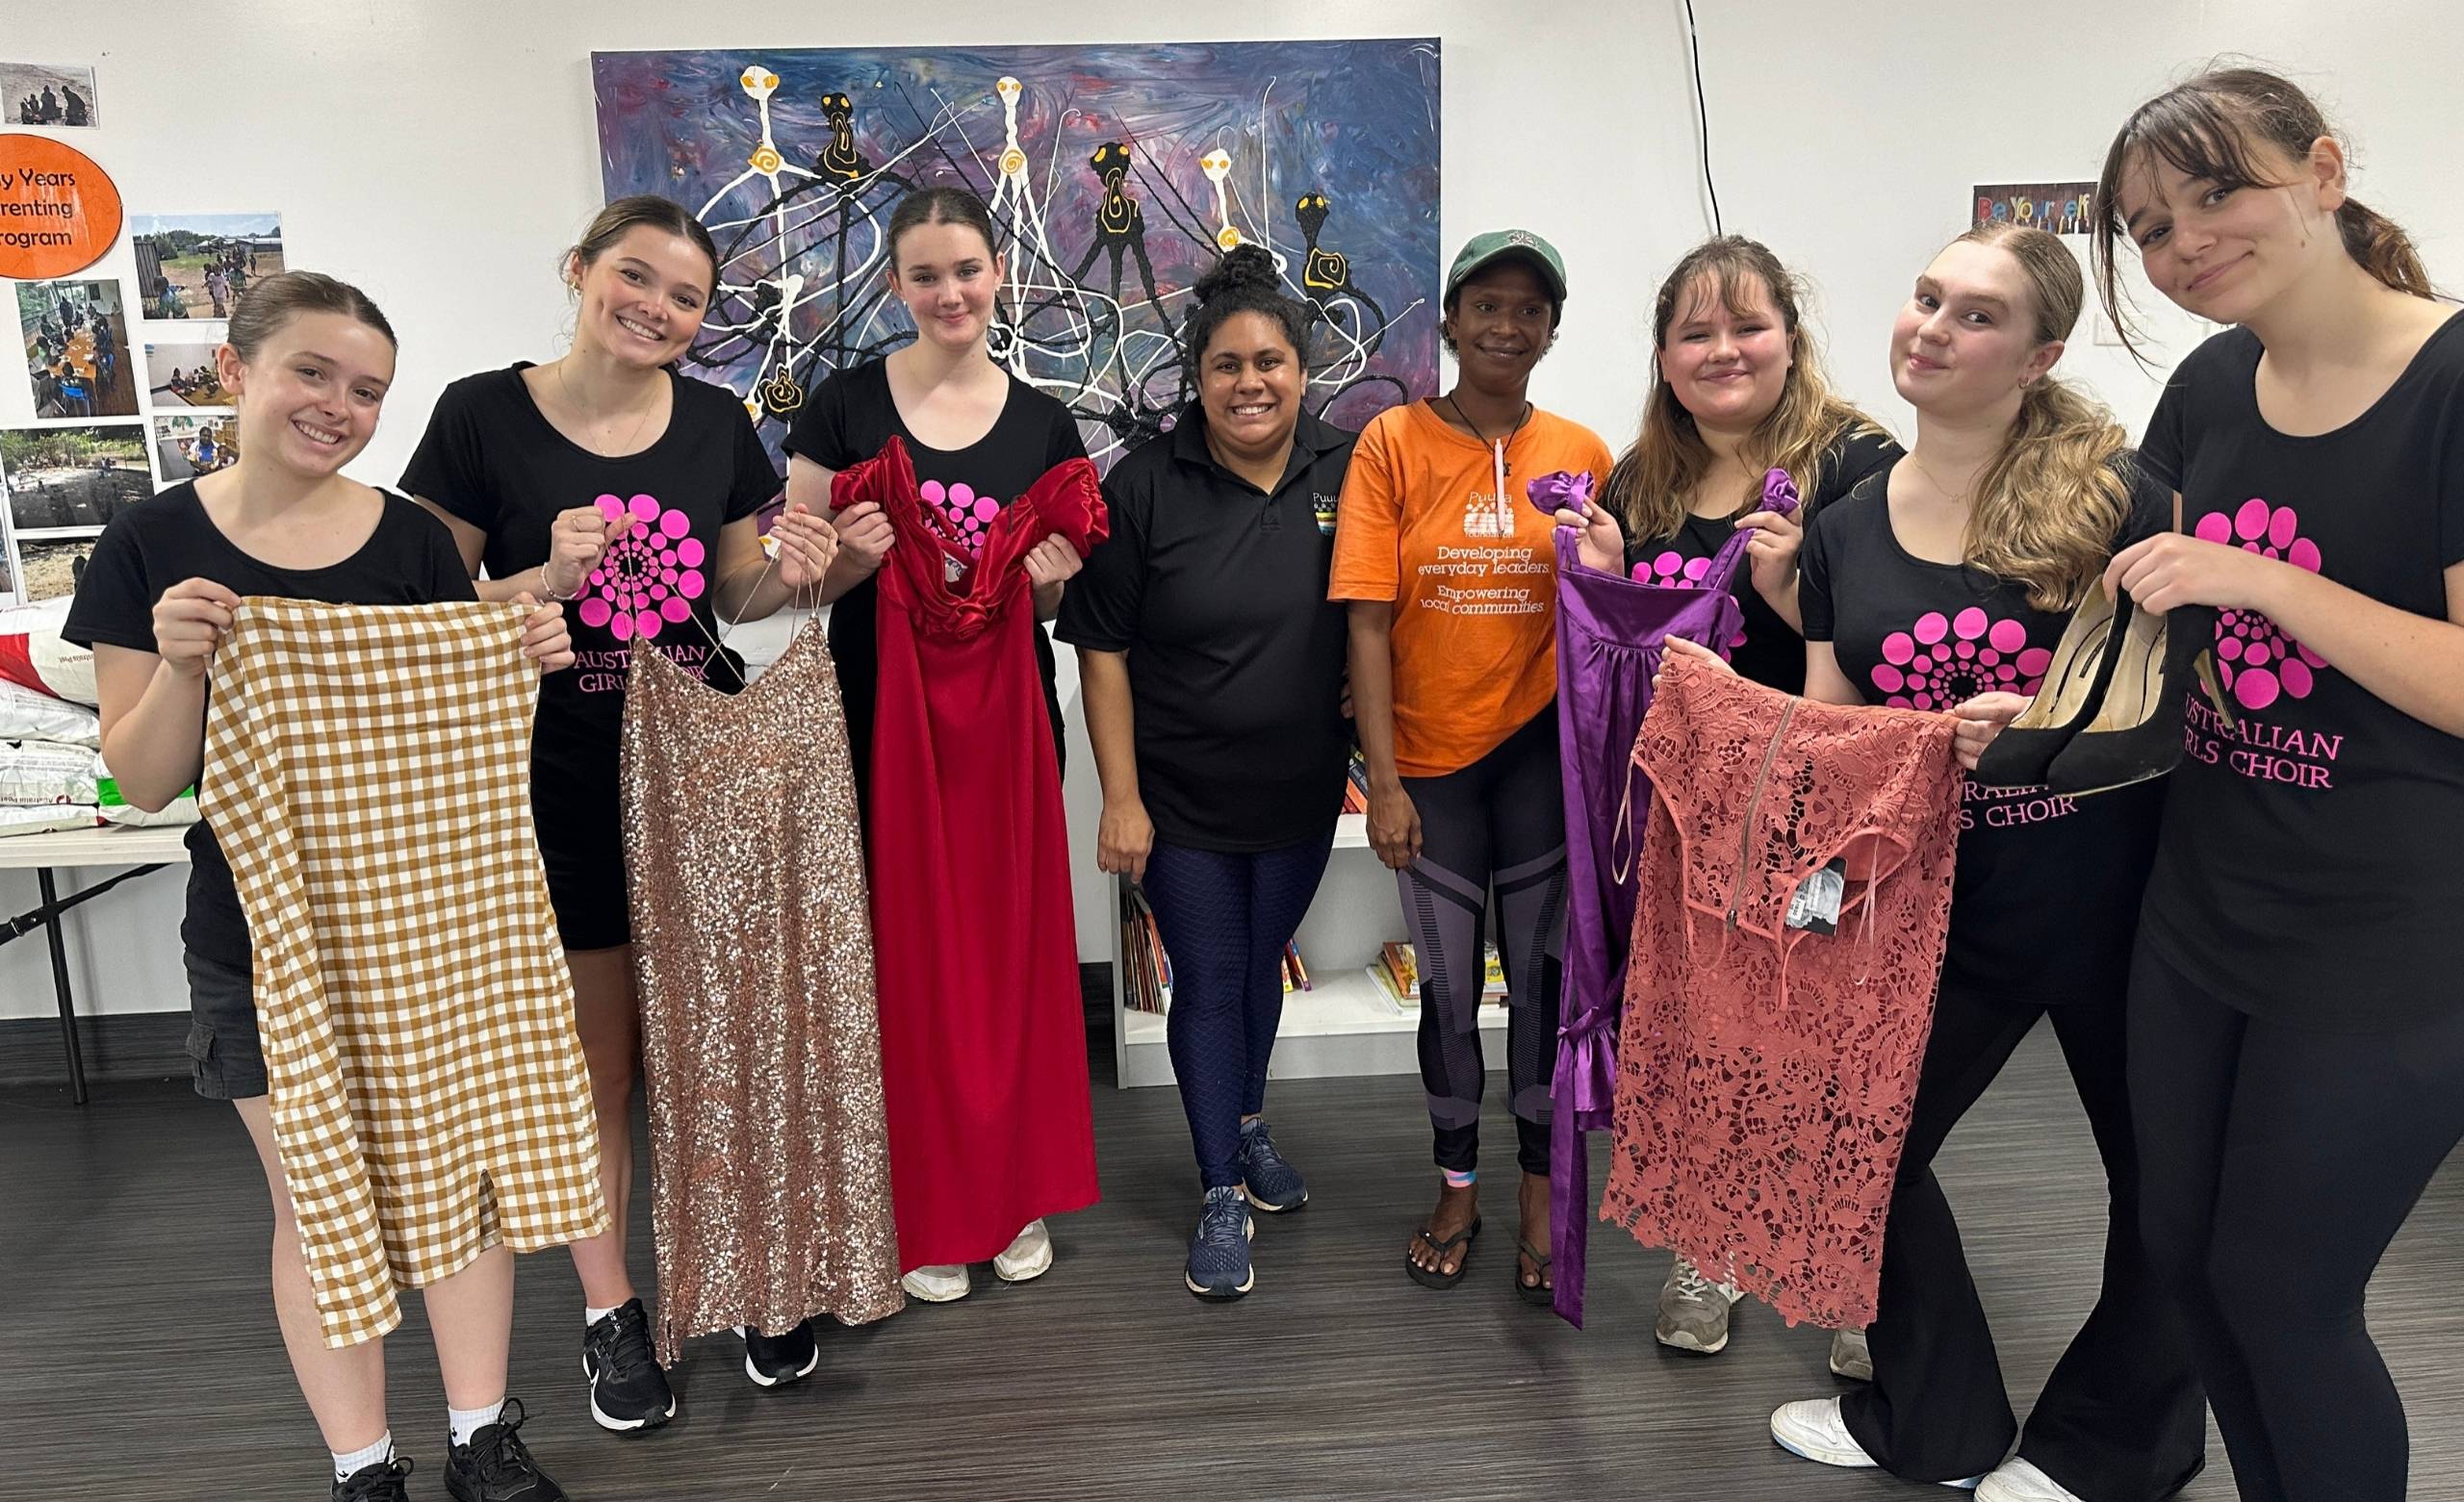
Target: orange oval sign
point(58, 212)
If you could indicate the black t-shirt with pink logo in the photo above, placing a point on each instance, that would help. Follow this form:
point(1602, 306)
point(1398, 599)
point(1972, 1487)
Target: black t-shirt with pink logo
point(2313, 860)
point(845, 421)
point(1768, 650)
point(2045, 901)
point(491, 458)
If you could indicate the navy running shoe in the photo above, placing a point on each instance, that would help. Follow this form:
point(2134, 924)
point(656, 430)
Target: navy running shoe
point(1220, 1253)
point(1273, 1184)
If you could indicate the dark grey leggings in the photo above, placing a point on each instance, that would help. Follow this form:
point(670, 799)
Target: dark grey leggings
point(1498, 826)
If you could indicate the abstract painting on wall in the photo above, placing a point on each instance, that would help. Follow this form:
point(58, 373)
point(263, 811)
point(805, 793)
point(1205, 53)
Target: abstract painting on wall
point(1117, 175)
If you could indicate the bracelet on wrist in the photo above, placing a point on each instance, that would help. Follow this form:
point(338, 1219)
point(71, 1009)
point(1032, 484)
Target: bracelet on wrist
point(548, 587)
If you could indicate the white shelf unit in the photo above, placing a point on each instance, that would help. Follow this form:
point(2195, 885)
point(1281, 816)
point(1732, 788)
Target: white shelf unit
point(1344, 1024)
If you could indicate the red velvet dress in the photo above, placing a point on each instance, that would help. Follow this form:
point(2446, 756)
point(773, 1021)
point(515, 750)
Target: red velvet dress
point(984, 1037)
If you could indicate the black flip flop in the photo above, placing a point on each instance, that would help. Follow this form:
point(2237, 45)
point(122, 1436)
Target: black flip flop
point(1429, 1277)
point(1542, 1294)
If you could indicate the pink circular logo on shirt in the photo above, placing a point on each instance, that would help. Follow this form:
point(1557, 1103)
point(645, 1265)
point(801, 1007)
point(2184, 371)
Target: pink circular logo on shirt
point(1945, 660)
point(2258, 662)
point(649, 578)
point(969, 514)
point(1672, 570)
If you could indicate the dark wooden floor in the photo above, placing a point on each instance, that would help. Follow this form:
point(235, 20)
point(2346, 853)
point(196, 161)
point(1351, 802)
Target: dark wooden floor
point(140, 1358)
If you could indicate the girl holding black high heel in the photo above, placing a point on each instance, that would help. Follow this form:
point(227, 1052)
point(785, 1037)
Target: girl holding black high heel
point(2296, 1031)
point(1945, 584)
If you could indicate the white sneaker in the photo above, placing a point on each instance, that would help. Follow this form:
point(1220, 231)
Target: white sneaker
point(1030, 1256)
point(1850, 1357)
point(1815, 1430)
point(2015, 1480)
point(936, 1285)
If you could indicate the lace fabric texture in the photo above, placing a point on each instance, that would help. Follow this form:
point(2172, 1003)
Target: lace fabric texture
point(1765, 1075)
point(770, 1195)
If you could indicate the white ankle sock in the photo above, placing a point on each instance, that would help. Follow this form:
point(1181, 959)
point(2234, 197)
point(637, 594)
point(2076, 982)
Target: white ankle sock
point(345, 1467)
point(468, 1421)
point(591, 1316)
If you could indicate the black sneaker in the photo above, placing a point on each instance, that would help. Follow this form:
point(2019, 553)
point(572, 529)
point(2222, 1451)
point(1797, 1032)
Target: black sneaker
point(627, 1391)
point(775, 1360)
point(380, 1482)
point(496, 1466)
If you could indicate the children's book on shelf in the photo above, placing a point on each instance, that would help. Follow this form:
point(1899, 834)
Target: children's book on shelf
point(1397, 973)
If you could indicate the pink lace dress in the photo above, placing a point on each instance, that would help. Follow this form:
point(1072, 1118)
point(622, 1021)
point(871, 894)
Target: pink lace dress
point(1765, 1073)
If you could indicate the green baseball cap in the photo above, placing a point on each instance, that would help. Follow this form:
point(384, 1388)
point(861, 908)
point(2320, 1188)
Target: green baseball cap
point(1509, 244)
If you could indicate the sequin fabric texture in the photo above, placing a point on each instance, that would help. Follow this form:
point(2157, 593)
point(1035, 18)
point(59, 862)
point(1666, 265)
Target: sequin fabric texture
point(760, 1033)
point(1765, 1075)
point(368, 775)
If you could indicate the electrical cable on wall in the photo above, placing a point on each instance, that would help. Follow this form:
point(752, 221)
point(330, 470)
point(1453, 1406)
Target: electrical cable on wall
point(1703, 116)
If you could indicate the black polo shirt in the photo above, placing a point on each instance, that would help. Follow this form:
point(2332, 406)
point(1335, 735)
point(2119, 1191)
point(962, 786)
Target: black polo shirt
point(1217, 592)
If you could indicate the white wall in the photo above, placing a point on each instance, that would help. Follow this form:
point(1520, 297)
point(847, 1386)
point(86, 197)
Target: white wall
point(440, 152)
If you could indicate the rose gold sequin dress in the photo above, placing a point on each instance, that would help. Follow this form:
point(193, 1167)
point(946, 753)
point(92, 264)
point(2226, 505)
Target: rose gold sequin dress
point(760, 1037)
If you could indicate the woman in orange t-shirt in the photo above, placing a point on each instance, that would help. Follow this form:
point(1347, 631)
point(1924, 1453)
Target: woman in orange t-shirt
point(1451, 578)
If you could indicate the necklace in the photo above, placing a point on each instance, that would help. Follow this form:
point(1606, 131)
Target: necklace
point(1955, 498)
point(1496, 447)
point(565, 390)
point(1485, 440)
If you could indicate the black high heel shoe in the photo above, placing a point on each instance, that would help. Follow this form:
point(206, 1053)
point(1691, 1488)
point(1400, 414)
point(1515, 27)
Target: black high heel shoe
point(2068, 698)
point(2137, 733)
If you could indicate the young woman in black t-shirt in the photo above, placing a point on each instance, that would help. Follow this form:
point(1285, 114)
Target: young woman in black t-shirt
point(608, 479)
point(1944, 585)
point(1213, 670)
point(1738, 390)
point(978, 439)
point(2297, 1027)
point(307, 364)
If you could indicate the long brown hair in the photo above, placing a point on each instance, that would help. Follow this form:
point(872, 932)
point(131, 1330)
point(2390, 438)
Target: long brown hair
point(2211, 128)
point(1649, 487)
point(2047, 507)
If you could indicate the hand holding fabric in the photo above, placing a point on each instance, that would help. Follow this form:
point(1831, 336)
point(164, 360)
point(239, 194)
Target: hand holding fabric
point(866, 531)
point(190, 620)
point(577, 539)
point(807, 545)
point(1052, 561)
point(545, 639)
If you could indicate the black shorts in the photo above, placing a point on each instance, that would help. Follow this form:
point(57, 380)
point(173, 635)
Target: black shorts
point(226, 1060)
point(584, 852)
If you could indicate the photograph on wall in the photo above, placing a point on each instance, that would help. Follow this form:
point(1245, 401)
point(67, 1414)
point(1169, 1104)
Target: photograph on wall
point(187, 447)
point(1117, 176)
point(195, 266)
point(76, 343)
point(71, 481)
point(182, 373)
point(2063, 208)
point(51, 567)
point(48, 93)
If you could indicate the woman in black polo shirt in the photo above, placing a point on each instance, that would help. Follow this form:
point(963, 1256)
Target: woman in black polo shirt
point(1213, 668)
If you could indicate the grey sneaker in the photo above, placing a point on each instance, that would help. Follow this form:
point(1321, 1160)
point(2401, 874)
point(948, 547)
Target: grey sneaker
point(1849, 1356)
point(1693, 1312)
point(1220, 1253)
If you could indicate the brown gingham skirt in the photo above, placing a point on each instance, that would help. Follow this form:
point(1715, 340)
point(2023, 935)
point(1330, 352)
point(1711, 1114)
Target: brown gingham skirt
point(367, 776)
